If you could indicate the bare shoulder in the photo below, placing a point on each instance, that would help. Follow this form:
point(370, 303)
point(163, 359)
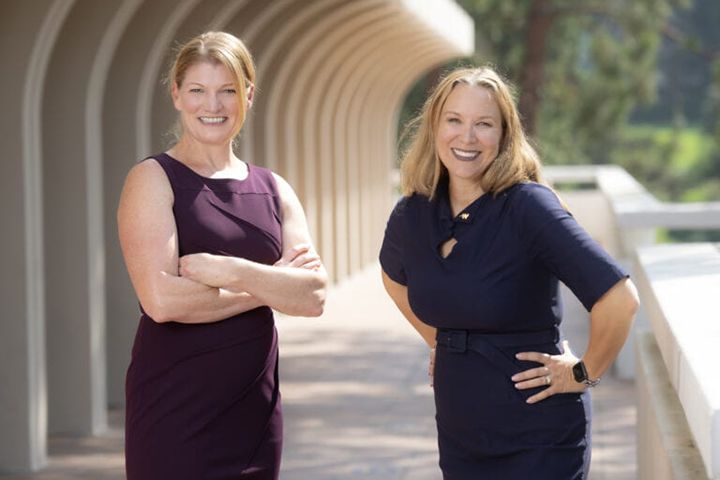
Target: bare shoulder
point(147, 172)
point(147, 178)
point(282, 184)
point(147, 187)
point(295, 229)
point(286, 192)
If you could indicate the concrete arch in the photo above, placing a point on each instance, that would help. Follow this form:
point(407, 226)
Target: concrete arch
point(364, 65)
point(151, 72)
point(229, 11)
point(302, 70)
point(97, 83)
point(262, 32)
point(361, 101)
point(24, 397)
point(76, 310)
point(376, 196)
point(34, 229)
point(119, 153)
point(299, 116)
point(284, 112)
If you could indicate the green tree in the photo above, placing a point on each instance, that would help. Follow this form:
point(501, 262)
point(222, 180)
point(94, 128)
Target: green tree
point(581, 66)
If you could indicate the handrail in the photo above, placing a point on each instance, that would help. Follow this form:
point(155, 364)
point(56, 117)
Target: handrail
point(633, 205)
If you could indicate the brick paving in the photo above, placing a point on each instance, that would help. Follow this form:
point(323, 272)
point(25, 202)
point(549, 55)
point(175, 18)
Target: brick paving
point(357, 402)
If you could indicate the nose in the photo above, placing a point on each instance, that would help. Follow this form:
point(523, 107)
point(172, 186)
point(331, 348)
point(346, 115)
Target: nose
point(469, 133)
point(213, 103)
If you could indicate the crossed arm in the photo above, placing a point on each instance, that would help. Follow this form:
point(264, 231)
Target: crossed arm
point(295, 285)
point(148, 237)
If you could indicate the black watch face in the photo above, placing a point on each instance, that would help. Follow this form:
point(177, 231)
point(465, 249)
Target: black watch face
point(579, 372)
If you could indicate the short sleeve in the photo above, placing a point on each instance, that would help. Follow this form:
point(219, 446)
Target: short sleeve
point(391, 252)
point(554, 238)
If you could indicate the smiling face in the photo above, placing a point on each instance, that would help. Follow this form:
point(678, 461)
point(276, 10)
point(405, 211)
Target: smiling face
point(208, 103)
point(469, 133)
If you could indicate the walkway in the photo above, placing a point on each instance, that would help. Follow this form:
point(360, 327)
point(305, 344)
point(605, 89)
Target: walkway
point(357, 403)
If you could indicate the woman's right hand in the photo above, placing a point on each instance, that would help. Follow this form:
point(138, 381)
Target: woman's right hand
point(302, 255)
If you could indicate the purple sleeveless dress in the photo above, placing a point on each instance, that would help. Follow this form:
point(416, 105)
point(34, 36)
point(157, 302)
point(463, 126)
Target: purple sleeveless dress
point(203, 400)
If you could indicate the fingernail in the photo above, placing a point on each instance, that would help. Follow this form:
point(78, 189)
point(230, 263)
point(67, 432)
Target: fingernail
point(518, 356)
point(514, 378)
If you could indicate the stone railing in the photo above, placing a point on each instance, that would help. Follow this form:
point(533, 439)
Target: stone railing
point(678, 369)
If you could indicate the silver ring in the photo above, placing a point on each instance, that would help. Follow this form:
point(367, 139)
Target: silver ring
point(547, 379)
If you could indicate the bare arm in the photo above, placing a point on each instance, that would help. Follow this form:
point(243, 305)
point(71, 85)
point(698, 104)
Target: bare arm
point(148, 237)
point(284, 287)
point(611, 318)
point(610, 321)
point(399, 295)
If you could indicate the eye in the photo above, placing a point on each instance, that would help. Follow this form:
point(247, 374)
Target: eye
point(196, 90)
point(485, 124)
point(230, 91)
point(453, 120)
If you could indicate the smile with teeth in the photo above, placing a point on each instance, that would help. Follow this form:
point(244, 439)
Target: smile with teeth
point(213, 120)
point(465, 155)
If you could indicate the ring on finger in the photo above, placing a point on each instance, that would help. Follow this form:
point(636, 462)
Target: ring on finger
point(547, 379)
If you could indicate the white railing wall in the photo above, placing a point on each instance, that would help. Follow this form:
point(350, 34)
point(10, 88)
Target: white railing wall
point(679, 285)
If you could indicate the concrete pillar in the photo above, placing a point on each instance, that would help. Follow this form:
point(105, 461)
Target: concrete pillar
point(27, 30)
point(119, 154)
point(74, 235)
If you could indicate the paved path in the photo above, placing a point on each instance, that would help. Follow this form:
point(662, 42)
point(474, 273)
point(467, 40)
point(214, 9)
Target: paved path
point(357, 402)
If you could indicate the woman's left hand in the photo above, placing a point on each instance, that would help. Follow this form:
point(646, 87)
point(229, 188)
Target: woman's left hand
point(302, 255)
point(211, 270)
point(555, 373)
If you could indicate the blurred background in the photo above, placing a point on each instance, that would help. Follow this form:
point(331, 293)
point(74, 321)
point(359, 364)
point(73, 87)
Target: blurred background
point(621, 97)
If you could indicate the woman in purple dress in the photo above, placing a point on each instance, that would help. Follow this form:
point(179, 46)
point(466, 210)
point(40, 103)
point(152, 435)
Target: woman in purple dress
point(472, 257)
point(211, 243)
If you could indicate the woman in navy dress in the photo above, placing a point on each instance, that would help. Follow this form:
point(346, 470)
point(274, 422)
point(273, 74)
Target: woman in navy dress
point(472, 256)
point(211, 244)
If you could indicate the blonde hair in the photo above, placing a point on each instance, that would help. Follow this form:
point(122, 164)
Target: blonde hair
point(421, 168)
point(219, 48)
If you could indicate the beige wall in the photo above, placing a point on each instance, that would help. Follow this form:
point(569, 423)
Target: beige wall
point(83, 101)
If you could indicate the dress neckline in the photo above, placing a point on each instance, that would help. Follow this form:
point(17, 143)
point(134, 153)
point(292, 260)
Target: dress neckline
point(466, 215)
point(211, 179)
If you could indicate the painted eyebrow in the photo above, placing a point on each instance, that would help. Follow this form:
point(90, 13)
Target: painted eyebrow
point(460, 115)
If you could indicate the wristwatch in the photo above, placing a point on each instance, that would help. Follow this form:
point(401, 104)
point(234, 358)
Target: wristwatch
point(581, 375)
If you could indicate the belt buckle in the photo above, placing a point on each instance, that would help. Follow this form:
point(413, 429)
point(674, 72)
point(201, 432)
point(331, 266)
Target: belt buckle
point(457, 341)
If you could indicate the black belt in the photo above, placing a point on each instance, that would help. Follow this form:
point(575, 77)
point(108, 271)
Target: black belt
point(459, 341)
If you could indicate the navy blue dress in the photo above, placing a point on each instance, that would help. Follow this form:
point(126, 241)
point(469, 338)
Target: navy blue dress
point(497, 294)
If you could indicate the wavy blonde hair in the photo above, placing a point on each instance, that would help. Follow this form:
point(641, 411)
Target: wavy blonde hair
point(219, 48)
point(421, 169)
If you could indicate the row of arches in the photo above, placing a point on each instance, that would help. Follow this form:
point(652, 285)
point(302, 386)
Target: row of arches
point(84, 99)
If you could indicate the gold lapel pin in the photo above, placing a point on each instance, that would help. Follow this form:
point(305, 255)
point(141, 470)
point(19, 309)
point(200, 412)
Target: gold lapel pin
point(464, 216)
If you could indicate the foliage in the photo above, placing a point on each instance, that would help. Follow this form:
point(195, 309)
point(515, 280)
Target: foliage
point(599, 65)
point(674, 164)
